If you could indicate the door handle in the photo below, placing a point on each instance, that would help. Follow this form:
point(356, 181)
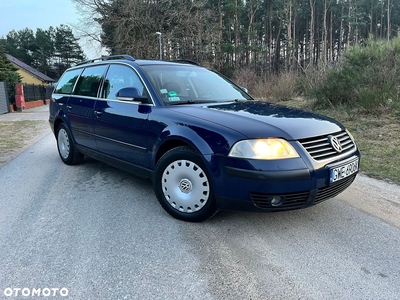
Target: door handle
point(98, 113)
point(69, 106)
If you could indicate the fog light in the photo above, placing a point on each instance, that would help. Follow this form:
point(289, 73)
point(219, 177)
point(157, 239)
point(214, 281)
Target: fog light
point(277, 200)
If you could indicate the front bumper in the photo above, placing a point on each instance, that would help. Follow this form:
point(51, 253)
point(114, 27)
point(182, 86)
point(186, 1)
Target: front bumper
point(300, 184)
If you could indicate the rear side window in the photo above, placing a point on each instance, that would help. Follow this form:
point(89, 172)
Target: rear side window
point(89, 82)
point(67, 81)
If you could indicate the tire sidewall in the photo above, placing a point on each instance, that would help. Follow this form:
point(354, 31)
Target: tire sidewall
point(183, 153)
point(70, 159)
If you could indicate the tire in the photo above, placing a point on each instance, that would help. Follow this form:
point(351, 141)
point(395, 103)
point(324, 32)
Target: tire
point(66, 147)
point(183, 187)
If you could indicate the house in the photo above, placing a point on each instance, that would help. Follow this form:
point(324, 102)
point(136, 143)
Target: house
point(30, 75)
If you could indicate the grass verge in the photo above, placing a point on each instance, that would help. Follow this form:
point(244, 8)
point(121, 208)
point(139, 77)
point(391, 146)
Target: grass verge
point(16, 135)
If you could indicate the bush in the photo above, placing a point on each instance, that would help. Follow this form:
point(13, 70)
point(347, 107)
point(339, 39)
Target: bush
point(284, 86)
point(274, 87)
point(367, 78)
point(311, 77)
point(335, 88)
point(11, 78)
point(246, 77)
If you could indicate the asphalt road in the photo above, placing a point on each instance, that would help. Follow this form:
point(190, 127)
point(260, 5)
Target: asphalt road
point(98, 233)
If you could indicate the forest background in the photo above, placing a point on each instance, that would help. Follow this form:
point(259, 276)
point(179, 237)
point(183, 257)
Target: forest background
point(267, 36)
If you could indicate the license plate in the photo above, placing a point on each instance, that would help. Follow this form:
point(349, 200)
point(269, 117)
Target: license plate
point(343, 171)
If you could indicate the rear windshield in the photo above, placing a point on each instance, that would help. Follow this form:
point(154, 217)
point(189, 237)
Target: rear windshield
point(177, 84)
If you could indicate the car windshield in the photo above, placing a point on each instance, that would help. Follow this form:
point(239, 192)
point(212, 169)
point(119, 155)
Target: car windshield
point(177, 84)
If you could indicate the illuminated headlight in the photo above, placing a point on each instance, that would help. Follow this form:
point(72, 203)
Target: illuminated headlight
point(272, 148)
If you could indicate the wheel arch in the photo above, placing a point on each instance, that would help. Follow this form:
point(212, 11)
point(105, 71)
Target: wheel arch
point(57, 123)
point(62, 120)
point(182, 136)
point(168, 145)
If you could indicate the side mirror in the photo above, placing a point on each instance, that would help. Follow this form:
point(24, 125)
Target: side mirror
point(131, 94)
point(244, 89)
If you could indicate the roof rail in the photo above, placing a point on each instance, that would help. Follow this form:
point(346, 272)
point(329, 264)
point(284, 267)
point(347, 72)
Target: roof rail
point(121, 56)
point(187, 61)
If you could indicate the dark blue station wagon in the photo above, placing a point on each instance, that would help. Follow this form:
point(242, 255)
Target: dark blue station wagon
point(202, 140)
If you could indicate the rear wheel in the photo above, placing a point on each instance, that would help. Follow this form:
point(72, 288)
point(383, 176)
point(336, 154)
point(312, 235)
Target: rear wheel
point(183, 187)
point(66, 147)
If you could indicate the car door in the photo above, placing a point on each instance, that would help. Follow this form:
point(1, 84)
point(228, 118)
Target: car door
point(121, 126)
point(80, 106)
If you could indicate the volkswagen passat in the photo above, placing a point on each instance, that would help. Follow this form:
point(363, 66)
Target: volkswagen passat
point(203, 141)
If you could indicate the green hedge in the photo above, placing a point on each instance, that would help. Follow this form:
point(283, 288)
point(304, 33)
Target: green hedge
point(368, 78)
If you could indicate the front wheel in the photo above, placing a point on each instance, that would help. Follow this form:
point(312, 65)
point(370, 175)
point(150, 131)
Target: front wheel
point(183, 187)
point(66, 147)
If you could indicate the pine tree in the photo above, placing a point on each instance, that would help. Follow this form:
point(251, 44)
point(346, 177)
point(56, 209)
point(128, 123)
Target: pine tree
point(8, 73)
point(67, 49)
point(5, 64)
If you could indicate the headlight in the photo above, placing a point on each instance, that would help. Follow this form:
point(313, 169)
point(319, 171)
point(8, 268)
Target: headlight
point(272, 148)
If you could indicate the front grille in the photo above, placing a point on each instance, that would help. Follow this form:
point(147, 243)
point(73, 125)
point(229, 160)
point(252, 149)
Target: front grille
point(334, 189)
point(319, 148)
point(293, 201)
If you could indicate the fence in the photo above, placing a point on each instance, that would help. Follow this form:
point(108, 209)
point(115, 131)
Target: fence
point(4, 103)
point(34, 92)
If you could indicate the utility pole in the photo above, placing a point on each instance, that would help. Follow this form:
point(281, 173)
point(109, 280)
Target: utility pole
point(159, 39)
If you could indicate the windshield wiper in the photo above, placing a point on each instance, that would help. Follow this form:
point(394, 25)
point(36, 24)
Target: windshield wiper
point(191, 102)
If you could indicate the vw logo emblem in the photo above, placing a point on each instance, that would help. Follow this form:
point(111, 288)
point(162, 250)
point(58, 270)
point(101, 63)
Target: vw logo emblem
point(335, 143)
point(185, 186)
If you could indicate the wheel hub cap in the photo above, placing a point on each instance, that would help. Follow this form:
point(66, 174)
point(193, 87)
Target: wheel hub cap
point(63, 143)
point(185, 186)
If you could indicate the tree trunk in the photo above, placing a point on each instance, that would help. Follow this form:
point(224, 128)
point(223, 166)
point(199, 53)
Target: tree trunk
point(236, 26)
point(371, 17)
point(220, 32)
point(388, 19)
point(312, 21)
point(325, 34)
point(331, 39)
point(339, 54)
point(289, 36)
point(349, 22)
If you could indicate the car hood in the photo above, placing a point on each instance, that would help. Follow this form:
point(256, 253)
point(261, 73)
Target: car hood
point(260, 119)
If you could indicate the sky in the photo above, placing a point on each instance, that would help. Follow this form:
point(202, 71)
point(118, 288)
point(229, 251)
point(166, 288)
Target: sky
point(33, 14)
